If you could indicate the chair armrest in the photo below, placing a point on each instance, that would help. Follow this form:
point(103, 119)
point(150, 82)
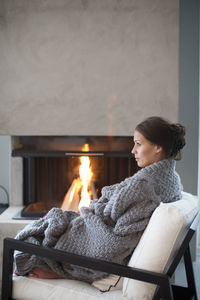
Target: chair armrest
point(11, 244)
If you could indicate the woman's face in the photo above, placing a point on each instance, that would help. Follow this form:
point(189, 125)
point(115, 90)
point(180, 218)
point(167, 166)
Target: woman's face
point(145, 152)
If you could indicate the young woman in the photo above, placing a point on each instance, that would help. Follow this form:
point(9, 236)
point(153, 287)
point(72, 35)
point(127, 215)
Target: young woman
point(112, 226)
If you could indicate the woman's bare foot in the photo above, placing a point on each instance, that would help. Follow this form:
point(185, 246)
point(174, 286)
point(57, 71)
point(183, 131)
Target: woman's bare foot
point(44, 274)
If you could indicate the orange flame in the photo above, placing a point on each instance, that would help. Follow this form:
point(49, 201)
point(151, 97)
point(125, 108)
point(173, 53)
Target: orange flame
point(85, 176)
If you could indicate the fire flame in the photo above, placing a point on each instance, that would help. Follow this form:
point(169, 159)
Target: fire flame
point(85, 176)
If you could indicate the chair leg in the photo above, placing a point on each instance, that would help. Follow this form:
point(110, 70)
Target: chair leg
point(7, 271)
point(166, 292)
point(190, 274)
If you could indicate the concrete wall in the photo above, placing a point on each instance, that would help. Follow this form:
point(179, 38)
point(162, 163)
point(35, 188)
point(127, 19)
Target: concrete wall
point(86, 67)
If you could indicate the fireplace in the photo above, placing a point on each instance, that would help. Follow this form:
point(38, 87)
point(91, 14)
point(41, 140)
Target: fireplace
point(51, 168)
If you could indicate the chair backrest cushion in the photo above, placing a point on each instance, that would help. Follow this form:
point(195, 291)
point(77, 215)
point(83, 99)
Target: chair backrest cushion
point(158, 243)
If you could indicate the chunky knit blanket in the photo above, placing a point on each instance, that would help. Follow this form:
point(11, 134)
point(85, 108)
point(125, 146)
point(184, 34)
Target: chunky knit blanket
point(109, 229)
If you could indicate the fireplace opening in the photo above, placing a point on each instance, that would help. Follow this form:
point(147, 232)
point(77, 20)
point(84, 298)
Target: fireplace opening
point(52, 168)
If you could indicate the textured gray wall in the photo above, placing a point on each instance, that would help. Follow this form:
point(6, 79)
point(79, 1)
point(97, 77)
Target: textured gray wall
point(86, 67)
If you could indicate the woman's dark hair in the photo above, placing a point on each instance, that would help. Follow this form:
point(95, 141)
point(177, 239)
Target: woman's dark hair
point(159, 131)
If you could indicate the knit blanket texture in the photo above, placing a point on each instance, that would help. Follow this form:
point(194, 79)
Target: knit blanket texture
point(109, 229)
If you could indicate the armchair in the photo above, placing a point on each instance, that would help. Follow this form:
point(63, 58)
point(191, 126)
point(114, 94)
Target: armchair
point(138, 280)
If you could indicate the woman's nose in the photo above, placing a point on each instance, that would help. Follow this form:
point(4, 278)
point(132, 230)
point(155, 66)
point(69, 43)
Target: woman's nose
point(133, 150)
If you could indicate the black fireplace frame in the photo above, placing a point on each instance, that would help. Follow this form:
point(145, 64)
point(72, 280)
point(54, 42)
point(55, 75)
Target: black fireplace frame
point(30, 148)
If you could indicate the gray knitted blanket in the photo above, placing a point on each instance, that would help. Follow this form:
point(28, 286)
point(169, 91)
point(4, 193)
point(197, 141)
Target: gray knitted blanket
point(109, 229)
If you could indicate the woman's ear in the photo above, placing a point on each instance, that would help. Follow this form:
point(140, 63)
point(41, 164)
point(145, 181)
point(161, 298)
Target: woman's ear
point(158, 149)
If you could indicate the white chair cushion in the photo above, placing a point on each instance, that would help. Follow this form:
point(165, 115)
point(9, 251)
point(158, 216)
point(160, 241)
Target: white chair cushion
point(29, 288)
point(158, 243)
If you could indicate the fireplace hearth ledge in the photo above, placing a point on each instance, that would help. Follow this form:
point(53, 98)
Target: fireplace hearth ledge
point(10, 227)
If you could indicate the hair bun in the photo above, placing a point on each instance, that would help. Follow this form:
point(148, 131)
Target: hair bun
point(178, 132)
point(178, 129)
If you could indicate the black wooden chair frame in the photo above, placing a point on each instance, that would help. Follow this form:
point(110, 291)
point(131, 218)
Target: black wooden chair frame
point(165, 290)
